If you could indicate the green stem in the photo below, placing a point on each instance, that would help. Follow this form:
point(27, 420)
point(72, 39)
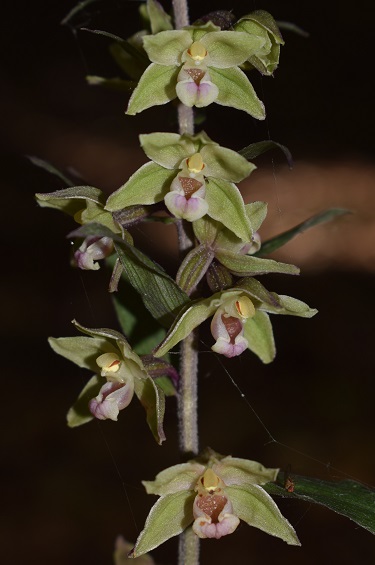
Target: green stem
point(188, 553)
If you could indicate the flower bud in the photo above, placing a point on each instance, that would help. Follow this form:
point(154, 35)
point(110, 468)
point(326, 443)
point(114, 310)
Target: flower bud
point(93, 249)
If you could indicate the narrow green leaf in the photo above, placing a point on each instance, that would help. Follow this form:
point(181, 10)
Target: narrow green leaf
point(259, 334)
point(349, 498)
point(170, 516)
point(68, 200)
point(128, 47)
point(194, 267)
point(255, 149)
point(50, 169)
point(248, 265)
point(236, 91)
point(117, 84)
point(294, 28)
point(279, 240)
point(225, 204)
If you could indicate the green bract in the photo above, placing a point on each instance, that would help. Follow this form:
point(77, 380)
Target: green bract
point(108, 354)
point(240, 320)
point(262, 24)
point(213, 493)
point(199, 65)
point(194, 175)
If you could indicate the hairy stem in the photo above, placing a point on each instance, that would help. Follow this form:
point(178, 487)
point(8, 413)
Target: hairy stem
point(188, 553)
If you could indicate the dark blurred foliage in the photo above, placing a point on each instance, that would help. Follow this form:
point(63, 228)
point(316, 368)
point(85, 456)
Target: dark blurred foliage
point(68, 493)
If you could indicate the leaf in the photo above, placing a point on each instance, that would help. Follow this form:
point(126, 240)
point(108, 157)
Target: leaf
point(117, 84)
point(68, 200)
point(294, 28)
point(79, 413)
point(170, 516)
point(128, 47)
point(236, 91)
point(279, 240)
point(255, 149)
point(160, 293)
point(348, 498)
point(50, 169)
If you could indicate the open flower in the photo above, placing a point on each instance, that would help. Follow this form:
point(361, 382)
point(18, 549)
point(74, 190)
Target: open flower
point(92, 250)
point(199, 65)
point(107, 354)
point(240, 319)
point(194, 175)
point(213, 493)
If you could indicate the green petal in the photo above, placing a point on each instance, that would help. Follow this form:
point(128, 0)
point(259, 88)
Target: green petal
point(148, 185)
point(170, 516)
point(79, 413)
point(230, 48)
point(174, 479)
point(237, 471)
point(259, 334)
point(247, 265)
point(156, 86)
point(226, 205)
point(166, 47)
point(253, 505)
point(83, 351)
point(223, 163)
point(256, 212)
point(236, 91)
point(167, 149)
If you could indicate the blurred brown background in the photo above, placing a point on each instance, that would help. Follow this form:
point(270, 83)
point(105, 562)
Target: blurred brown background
point(68, 493)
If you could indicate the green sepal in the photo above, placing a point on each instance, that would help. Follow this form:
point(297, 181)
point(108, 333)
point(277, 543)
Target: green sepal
point(153, 401)
point(96, 213)
point(194, 267)
point(162, 372)
point(247, 265)
point(256, 212)
point(79, 413)
point(166, 47)
point(223, 163)
point(176, 478)
point(254, 506)
point(237, 471)
point(279, 240)
point(255, 149)
point(156, 86)
point(225, 204)
point(218, 277)
point(236, 91)
point(159, 19)
point(259, 335)
point(81, 350)
point(289, 306)
point(206, 230)
point(230, 48)
point(348, 498)
point(169, 516)
point(147, 185)
point(68, 200)
point(198, 32)
point(167, 149)
point(259, 292)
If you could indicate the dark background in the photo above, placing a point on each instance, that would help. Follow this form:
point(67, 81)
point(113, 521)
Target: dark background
point(69, 493)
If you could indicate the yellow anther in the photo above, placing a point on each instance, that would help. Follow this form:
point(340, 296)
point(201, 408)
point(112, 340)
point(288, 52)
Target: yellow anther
point(245, 307)
point(195, 163)
point(210, 480)
point(197, 51)
point(108, 363)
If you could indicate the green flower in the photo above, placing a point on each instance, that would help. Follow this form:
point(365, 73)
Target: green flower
point(194, 176)
point(213, 493)
point(199, 65)
point(107, 354)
